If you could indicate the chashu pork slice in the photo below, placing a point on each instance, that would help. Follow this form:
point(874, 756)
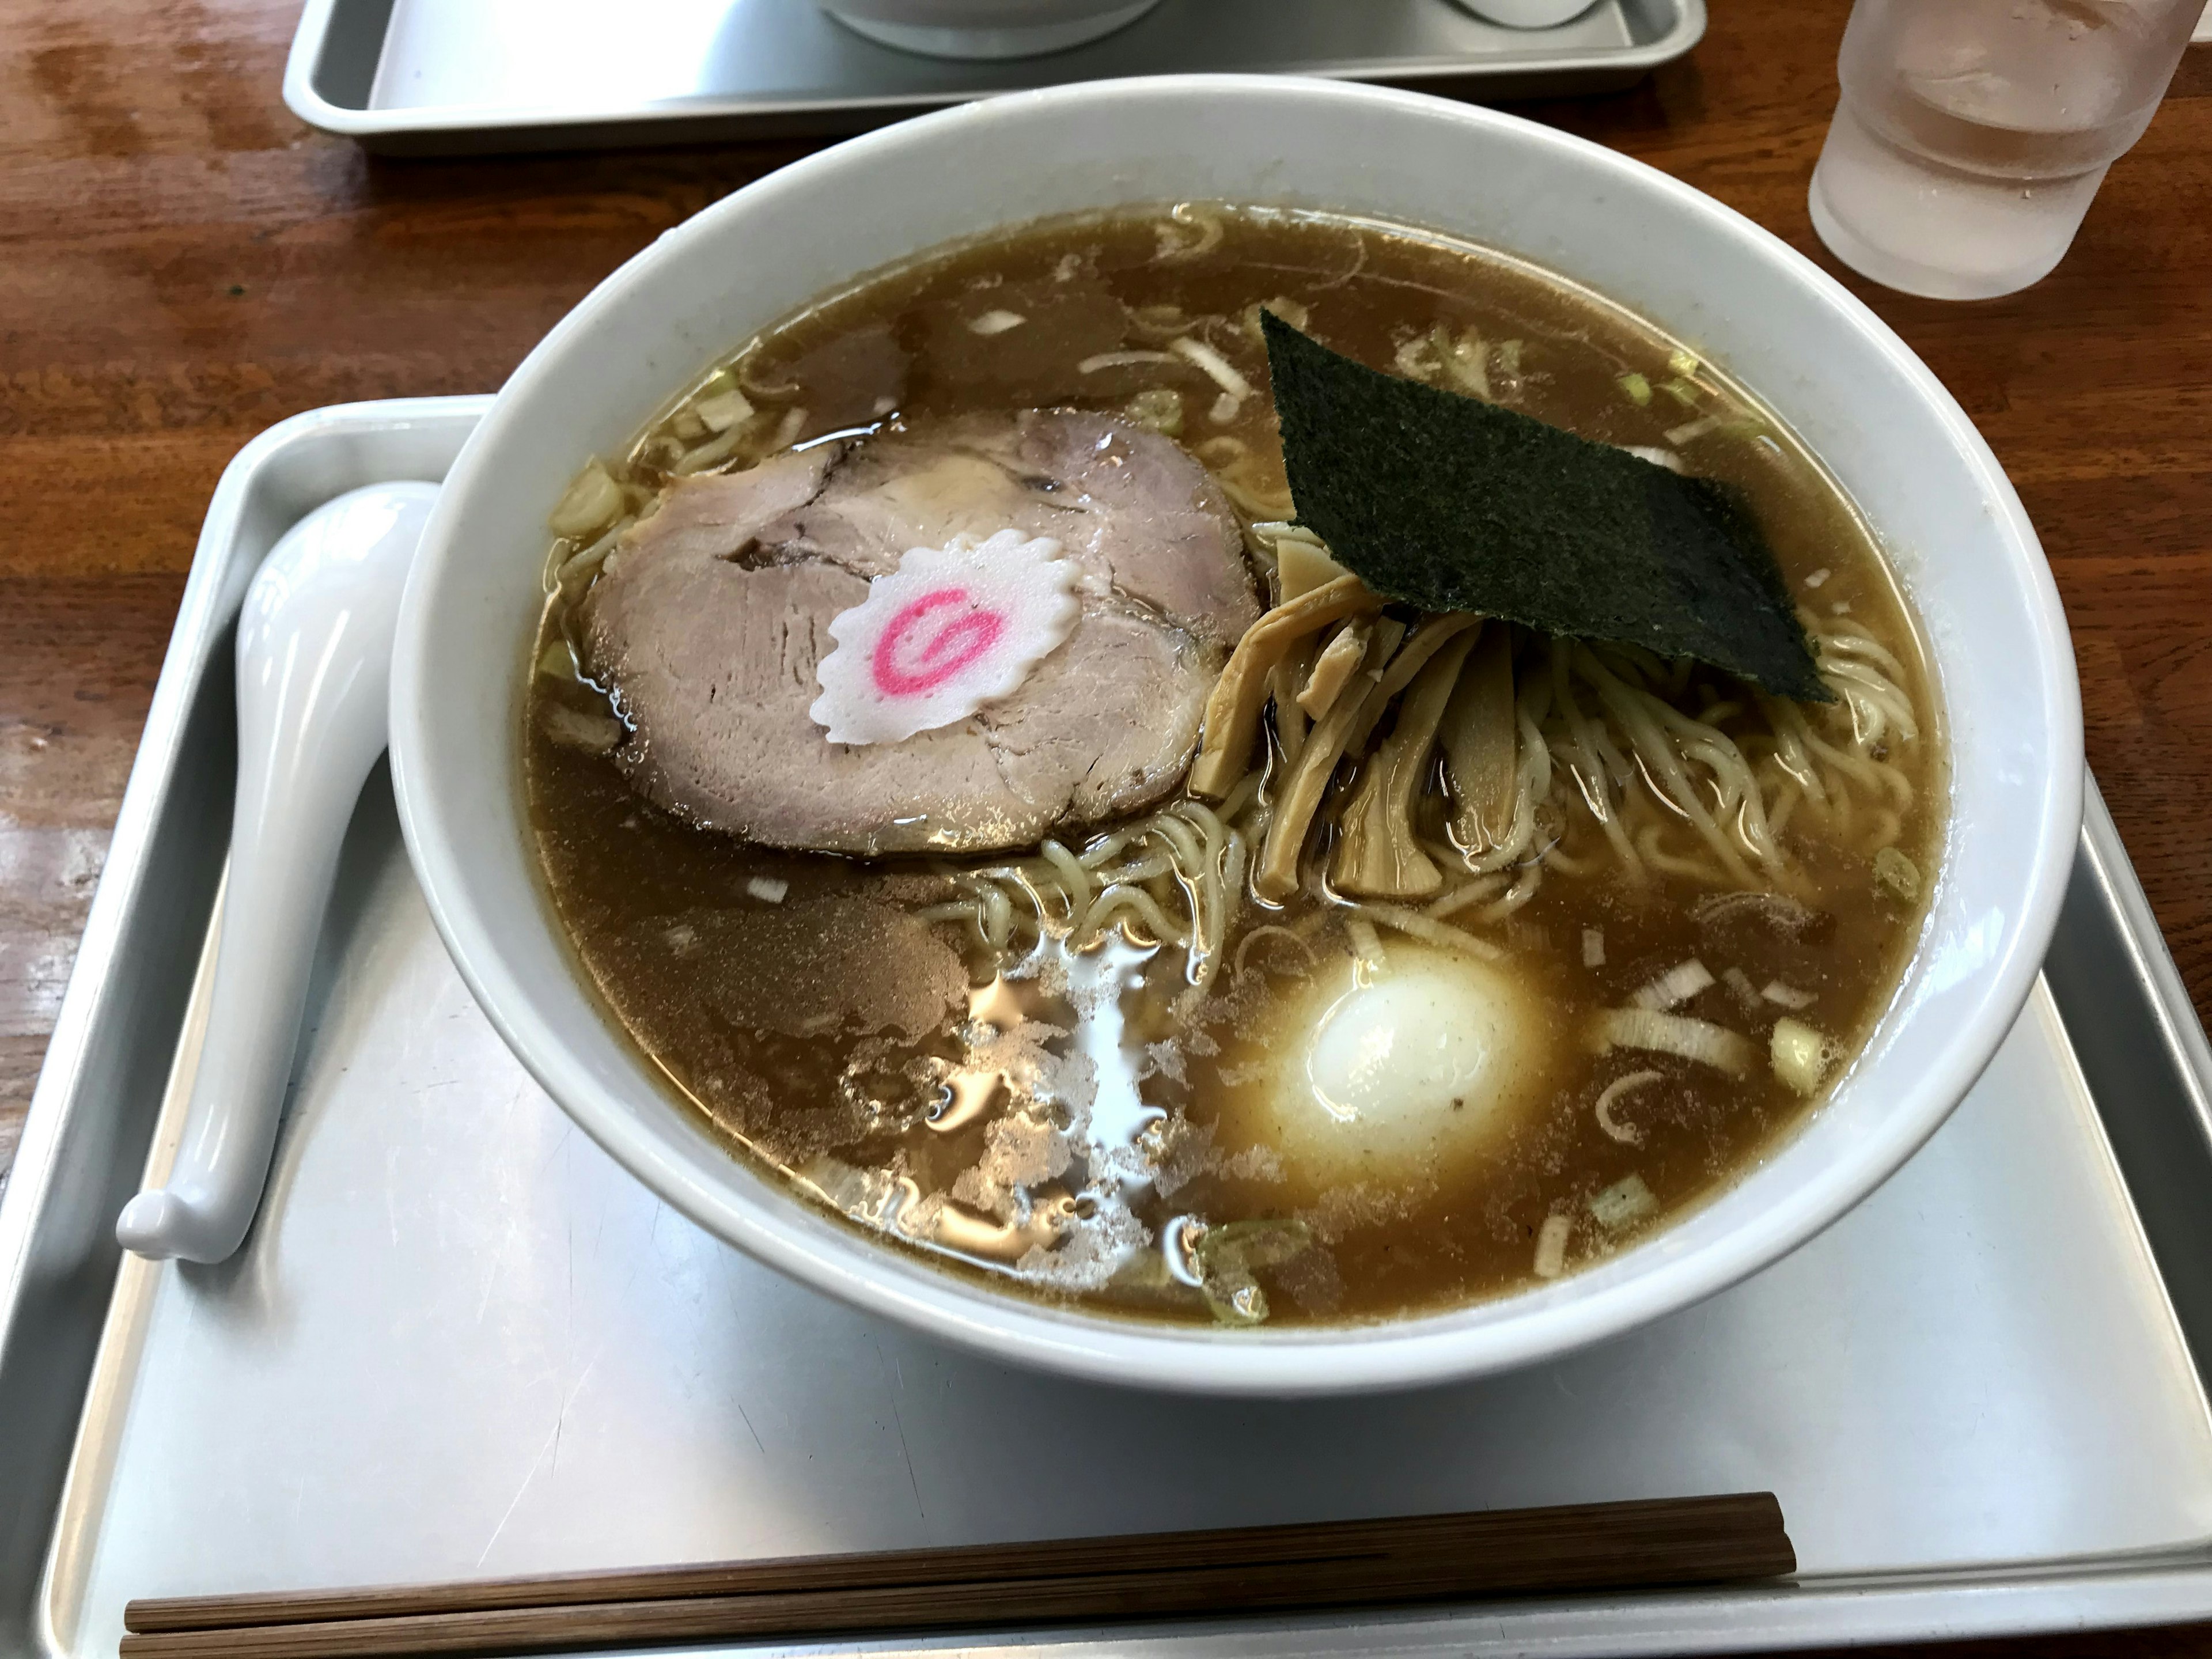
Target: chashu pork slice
point(713, 616)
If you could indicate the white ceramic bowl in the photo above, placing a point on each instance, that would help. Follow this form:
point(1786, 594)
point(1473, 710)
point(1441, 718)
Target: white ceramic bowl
point(1893, 435)
point(988, 28)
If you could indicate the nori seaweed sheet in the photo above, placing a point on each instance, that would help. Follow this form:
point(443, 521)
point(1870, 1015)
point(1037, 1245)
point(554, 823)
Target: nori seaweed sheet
point(1450, 503)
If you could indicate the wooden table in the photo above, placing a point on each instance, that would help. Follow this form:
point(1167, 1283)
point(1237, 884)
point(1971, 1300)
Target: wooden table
point(182, 263)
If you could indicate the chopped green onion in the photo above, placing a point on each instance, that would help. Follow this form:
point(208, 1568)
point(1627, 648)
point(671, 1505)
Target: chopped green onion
point(1695, 1040)
point(1627, 1199)
point(1740, 982)
point(1674, 987)
point(1552, 1244)
point(1225, 1255)
point(724, 409)
point(1691, 431)
point(1898, 874)
point(589, 504)
point(1160, 409)
point(1801, 1055)
point(1787, 996)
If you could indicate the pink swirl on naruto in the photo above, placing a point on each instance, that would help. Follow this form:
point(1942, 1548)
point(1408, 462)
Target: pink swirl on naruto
point(901, 669)
point(951, 629)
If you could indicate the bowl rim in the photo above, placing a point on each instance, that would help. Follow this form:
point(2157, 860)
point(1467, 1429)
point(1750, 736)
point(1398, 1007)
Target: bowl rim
point(1421, 1350)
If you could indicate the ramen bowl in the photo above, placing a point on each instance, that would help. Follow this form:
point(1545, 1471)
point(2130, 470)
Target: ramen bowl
point(1949, 523)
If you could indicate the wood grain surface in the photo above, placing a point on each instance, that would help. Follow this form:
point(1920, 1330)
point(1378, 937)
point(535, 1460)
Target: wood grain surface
point(182, 263)
point(1673, 1540)
point(1725, 1538)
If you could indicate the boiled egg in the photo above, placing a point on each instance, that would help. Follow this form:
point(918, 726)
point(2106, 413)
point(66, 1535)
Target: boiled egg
point(1395, 1072)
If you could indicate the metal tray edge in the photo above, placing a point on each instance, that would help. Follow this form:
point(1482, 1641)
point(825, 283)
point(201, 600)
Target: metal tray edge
point(2154, 961)
point(1769, 1618)
point(2135, 1031)
point(436, 131)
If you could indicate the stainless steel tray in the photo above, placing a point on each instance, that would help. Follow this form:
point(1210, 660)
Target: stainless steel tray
point(437, 75)
point(461, 1341)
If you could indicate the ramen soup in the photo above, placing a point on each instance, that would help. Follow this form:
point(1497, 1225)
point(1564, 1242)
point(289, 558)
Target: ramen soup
point(1005, 815)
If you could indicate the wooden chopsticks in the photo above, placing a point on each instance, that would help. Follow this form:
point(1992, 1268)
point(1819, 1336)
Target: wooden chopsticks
point(1350, 1564)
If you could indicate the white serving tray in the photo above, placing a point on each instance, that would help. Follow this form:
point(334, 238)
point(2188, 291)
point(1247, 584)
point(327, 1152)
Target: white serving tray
point(461, 1341)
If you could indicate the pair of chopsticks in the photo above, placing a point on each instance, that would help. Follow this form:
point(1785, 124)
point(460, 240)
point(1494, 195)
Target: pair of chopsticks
point(1329, 1565)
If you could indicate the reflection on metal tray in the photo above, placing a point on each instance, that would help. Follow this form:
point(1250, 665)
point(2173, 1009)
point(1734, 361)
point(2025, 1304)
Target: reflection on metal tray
point(462, 1341)
point(432, 75)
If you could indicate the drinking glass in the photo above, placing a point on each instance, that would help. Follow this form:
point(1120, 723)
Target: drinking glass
point(1972, 133)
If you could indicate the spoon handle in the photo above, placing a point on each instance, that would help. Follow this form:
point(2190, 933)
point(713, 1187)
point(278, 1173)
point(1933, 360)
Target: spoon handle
point(314, 658)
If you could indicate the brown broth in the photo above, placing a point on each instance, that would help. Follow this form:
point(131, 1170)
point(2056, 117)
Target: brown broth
point(833, 1034)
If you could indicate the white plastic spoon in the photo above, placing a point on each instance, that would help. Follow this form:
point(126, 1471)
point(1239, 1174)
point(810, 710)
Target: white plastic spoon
point(314, 665)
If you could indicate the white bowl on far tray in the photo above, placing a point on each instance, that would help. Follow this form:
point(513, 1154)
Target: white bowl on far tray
point(1892, 435)
point(1528, 14)
point(985, 28)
